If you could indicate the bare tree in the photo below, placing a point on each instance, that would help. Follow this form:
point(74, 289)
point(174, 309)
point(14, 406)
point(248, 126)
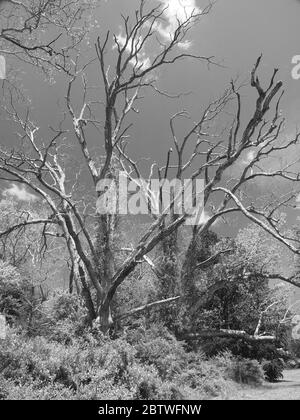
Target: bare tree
point(43, 33)
point(42, 165)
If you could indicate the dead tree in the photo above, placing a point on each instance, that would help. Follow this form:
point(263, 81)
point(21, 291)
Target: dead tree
point(22, 24)
point(44, 170)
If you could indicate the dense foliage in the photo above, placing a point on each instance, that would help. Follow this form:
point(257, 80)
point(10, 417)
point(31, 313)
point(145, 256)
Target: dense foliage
point(139, 365)
point(61, 357)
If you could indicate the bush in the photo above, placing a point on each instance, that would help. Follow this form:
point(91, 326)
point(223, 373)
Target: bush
point(97, 367)
point(15, 297)
point(295, 348)
point(241, 347)
point(36, 391)
point(166, 355)
point(244, 371)
point(247, 372)
point(63, 318)
point(273, 370)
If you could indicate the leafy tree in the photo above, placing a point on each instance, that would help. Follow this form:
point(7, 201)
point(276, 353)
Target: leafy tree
point(235, 292)
point(15, 296)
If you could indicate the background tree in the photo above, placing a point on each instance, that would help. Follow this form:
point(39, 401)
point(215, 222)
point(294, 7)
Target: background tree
point(44, 33)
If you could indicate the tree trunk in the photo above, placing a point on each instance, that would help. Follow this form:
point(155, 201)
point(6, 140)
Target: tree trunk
point(104, 318)
point(86, 294)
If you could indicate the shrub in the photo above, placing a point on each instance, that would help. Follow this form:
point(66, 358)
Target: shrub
point(147, 389)
point(15, 297)
point(37, 391)
point(243, 371)
point(241, 347)
point(247, 372)
point(62, 318)
point(165, 354)
point(157, 347)
point(295, 347)
point(97, 367)
point(273, 369)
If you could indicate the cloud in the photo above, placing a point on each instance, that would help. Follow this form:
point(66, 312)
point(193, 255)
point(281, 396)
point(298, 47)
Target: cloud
point(19, 193)
point(177, 11)
point(141, 60)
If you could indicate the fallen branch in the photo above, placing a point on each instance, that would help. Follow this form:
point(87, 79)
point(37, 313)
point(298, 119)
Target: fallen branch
point(226, 333)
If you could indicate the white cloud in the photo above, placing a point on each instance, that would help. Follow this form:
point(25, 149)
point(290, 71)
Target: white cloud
point(177, 11)
point(185, 45)
point(141, 59)
point(19, 193)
